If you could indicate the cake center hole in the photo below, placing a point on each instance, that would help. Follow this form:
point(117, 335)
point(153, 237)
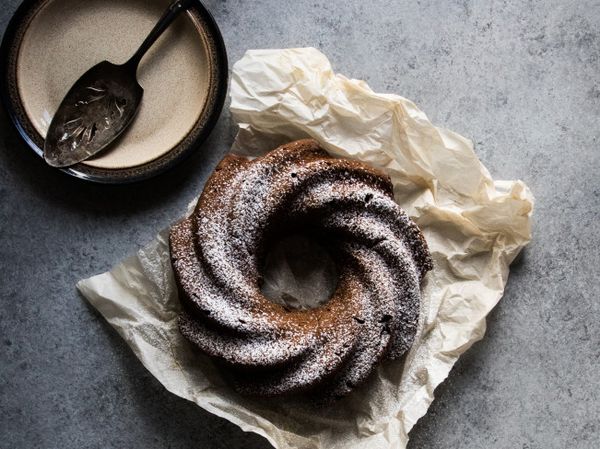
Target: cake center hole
point(299, 273)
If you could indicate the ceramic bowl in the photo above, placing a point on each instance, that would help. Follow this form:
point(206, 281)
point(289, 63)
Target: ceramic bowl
point(49, 43)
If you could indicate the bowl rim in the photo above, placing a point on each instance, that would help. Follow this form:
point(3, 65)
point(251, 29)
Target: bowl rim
point(129, 174)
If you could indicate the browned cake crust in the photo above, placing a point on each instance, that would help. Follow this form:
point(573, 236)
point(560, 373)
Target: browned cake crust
point(217, 255)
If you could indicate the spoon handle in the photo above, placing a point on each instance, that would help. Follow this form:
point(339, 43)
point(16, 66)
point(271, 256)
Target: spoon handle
point(168, 17)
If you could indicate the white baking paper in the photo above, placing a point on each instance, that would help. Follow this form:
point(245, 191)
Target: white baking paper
point(474, 226)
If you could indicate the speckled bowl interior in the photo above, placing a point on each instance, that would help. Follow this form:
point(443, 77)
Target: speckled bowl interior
point(50, 43)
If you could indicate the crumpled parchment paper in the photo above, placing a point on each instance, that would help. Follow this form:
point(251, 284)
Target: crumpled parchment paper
point(474, 226)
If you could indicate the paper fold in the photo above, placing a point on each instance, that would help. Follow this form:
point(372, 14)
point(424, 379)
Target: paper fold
point(474, 226)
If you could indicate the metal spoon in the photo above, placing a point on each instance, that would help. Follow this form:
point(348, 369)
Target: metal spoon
point(101, 104)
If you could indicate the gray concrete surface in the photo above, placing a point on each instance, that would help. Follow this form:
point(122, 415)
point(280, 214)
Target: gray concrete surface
point(521, 78)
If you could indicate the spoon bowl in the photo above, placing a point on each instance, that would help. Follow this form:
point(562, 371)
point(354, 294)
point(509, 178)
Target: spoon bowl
point(95, 111)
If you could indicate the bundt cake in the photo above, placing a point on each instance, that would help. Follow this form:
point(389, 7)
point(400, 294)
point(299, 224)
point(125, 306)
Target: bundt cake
point(218, 253)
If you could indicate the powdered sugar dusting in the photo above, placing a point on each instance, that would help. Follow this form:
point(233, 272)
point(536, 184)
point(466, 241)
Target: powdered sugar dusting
point(218, 252)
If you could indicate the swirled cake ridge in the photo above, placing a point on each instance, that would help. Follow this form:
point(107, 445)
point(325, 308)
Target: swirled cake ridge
point(218, 255)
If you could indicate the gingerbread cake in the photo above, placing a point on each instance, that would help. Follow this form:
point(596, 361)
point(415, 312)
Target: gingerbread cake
point(218, 254)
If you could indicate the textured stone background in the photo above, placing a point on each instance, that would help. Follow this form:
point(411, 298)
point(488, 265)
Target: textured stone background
point(521, 78)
